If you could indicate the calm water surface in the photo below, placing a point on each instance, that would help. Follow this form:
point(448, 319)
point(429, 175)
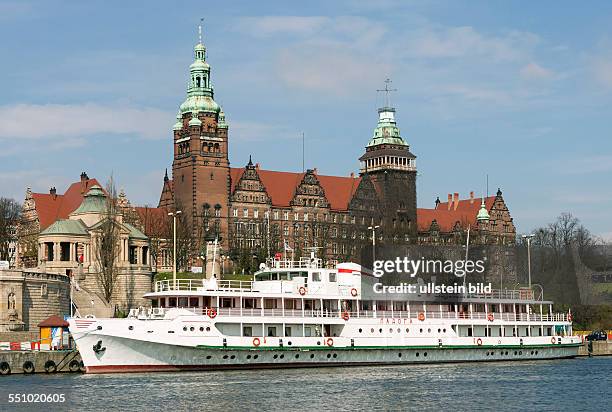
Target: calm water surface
point(577, 384)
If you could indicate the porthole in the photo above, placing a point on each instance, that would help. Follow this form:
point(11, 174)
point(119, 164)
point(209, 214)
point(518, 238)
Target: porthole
point(520, 352)
point(297, 356)
point(398, 330)
point(208, 357)
point(399, 355)
point(536, 352)
point(407, 330)
point(444, 330)
point(487, 353)
point(360, 330)
point(224, 356)
point(421, 330)
point(417, 354)
point(328, 355)
point(380, 330)
point(514, 353)
point(248, 356)
point(130, 327)
point(201, 329)
point(185, 328)
point(390, 330)
point(255, 356)
point(208, 329)
point(429, 330)
point(275, 356)
point(318, 342)
point(335, 355)
point(312, 356)
point(492, 353)
point(289, 343)
point(372, 330)
point(424, 353)
point(439, 330)
point(191, 329)
point(99, 327)
point(532, 352)
point(233, 357)
point(506, 352)
point(282, 356)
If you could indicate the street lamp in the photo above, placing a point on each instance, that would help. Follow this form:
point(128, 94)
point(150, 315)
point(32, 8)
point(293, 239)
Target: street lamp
point(528, 238)
point(373, 229)
point(174, 214)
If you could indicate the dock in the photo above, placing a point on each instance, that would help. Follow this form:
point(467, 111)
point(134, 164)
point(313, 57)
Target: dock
point(596, 348)
point(40, 361)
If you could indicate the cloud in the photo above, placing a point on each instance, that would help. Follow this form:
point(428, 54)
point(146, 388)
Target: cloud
point(257, 132)
point(534, 71)
point(602, 69)
point(68, 123)
point(273, 25)
point(458, 42)
point(589, 164)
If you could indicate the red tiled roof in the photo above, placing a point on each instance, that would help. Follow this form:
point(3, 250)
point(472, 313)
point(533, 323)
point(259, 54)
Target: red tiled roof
point(281, 186)
point(53, 322)
point(466, 212)
point(53, 207)
point(154, 220)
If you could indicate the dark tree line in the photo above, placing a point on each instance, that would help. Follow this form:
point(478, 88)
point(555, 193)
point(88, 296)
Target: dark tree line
point(10, 211)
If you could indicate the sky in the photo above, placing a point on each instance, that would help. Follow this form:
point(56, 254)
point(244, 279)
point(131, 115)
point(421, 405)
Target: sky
point(520, 91)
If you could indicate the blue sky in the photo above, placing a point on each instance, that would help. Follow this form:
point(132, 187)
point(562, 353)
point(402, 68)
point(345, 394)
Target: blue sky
point(519, 90)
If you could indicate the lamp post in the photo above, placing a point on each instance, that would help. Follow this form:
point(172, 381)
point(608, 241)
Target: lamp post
point(373, 229)
point(174, 214)
point(528, 238)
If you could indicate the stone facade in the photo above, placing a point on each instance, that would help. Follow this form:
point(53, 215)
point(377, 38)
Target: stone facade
point(28, 297)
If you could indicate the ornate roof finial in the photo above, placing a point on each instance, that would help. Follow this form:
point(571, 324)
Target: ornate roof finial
point(166, 175)
point(250, 161)
point(387, 90)
point(200, 30)
point(483, 214)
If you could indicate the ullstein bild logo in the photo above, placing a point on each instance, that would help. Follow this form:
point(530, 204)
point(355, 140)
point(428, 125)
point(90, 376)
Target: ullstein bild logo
point(413, 268)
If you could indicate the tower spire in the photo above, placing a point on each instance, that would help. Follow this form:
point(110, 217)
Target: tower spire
point(200, 30)
point(387, 90)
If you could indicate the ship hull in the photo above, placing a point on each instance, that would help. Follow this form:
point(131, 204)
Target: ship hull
point(119, 354)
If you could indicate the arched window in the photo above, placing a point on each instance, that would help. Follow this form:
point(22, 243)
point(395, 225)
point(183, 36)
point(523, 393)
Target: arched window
point(217, 150)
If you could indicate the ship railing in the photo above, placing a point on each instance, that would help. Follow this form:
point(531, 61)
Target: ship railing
point(207, 284)
point(521, 294)
point(388, 314)
point(302, 263)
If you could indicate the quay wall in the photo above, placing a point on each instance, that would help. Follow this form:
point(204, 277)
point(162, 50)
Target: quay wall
point(39, 359)
point(599, 348)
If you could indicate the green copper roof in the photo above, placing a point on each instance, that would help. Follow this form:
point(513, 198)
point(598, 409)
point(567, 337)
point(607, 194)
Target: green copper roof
point(386, 132)
point(179, 122)
point(94, 202)
point(195, 121)
point(483, 214)
point(200, 91)
point(65, 227)
point(135, 233)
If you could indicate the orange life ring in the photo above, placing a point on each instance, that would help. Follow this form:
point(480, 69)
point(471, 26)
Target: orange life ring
point(421, 316)
point(490, 317)
point(345, 315)
point(302, 290)
point(256, 342)
point(479, 342)
point(569, 317)
point(212, 313)
point(354, 292)
point(329, 342)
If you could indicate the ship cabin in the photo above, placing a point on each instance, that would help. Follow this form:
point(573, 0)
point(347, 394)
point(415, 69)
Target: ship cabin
point(324, 297)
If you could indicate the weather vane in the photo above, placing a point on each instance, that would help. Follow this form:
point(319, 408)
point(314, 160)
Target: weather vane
point(387, 90)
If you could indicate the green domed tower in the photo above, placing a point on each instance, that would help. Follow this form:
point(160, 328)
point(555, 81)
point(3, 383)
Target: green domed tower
point(200, 168)
point(391, 168)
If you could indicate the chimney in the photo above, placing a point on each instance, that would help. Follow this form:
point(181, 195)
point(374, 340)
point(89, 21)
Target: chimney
point(437, 202)
point(455, 200)
point(53, 192)
point(450, 201)
point(471, 197)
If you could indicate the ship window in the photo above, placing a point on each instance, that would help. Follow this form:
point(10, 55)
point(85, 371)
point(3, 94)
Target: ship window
point(307, 331)
point(247, 331)
point(271, 331)
point(469, 332)
point(194, 302)
point(316, 276)
point(171, 302)
point(182, 302)
point(287, 330)
point(332, 277)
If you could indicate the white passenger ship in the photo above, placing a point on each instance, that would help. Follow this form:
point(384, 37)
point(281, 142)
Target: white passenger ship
point(301, 314)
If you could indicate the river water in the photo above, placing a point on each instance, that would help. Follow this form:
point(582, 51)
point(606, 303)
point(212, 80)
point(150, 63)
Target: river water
point(576, 384)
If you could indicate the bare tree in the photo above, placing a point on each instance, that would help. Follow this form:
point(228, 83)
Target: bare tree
point(9, 217)
point(108, 244)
